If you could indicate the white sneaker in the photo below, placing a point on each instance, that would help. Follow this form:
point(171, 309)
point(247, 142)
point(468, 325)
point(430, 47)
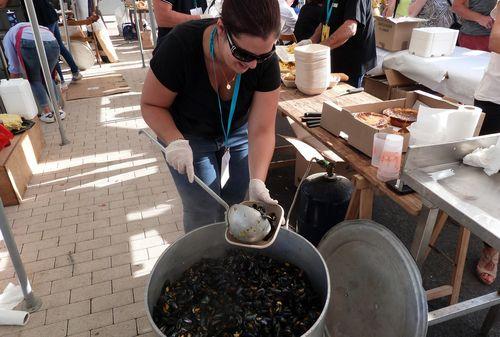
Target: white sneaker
point(62, 114)
point(76, 77)
point(47, 117)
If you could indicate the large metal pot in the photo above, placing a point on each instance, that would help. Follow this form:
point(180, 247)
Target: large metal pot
point(209, 242)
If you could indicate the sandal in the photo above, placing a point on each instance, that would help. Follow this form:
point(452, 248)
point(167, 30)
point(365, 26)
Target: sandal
point(487, 266)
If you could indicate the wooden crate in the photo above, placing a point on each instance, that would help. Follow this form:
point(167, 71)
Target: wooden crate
point(18, 162)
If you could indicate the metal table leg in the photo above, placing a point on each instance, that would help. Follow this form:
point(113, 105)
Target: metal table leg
point(423, 232)
point(492, 317)
point(31, 302)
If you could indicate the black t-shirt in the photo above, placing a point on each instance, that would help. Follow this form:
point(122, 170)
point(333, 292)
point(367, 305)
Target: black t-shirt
point(358, 54)
point(309, 18)
point(181, 6)
point(45, 12)
point(179, 64)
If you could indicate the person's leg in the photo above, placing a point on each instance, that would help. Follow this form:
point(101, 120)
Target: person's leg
point(199, 208)
point(33, 71)
point(491, 123)
point(487, 267)
point(236, 187)
point(54, 28)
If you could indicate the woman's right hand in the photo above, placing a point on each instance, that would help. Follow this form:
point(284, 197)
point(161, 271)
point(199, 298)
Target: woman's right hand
point(180, 156)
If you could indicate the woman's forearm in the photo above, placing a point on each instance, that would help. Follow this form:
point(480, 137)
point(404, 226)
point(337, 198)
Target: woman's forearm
point(260, 152)
point(495, 34)
point(161, 122)
point(262, 133)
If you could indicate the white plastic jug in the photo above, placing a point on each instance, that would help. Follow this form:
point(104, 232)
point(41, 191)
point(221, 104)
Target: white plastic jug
point(18, 98)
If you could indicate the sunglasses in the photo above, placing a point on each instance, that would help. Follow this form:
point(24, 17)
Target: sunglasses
point(244, 55)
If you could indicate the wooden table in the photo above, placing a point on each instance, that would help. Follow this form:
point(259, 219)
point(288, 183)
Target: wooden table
point(294, 104)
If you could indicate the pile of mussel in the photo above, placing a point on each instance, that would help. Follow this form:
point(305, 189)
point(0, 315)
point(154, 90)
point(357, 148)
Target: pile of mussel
point(239, 295)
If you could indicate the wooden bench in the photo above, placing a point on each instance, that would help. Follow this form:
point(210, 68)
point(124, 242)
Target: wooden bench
point(18, 162)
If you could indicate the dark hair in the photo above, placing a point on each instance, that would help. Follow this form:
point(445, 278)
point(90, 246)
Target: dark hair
point(259, 18)
point(314, 2)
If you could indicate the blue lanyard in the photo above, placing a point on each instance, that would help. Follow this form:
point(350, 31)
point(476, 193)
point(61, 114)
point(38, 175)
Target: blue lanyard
point(235, 92)
point(329, 10)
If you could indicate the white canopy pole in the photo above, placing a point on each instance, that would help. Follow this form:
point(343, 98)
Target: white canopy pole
point(31, 302)
point(65, 24)
point(138, 30)
point(153, 21)
point(45, 68)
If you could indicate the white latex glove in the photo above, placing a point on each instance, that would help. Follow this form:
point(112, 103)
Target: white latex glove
point(257, 191)
point(304, 42)
point(180, 156)
point(206, 16)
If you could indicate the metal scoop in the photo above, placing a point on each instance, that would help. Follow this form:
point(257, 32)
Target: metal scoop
point(245, 223)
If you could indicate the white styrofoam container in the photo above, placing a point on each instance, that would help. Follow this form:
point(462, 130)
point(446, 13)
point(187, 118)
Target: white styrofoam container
point(433, 41)
point(18, 98)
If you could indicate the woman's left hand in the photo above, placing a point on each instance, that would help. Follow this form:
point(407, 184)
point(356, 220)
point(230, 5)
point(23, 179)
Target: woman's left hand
point(257, 191)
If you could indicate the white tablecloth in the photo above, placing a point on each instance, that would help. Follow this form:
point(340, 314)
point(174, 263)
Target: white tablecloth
point(456, 76)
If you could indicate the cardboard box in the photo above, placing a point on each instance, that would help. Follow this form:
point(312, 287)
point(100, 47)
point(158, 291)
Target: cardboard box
point(341, 122)
point(383, 86)
point(394, 34)
point(147, 39)
point(18, 162)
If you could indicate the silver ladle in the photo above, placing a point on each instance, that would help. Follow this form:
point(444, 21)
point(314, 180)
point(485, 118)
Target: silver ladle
point(245, 223)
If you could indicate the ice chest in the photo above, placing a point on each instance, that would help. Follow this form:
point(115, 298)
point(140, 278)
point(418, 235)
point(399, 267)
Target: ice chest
point(341, 121)
point(18, 98)
point(433, 41)
point(394, 34)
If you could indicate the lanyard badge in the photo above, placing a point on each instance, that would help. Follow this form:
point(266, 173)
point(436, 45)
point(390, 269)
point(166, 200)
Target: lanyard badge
point(325, 32)
point(226, 129)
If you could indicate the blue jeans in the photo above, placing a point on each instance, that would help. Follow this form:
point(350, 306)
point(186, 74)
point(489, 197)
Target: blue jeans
point(200, 208)
point(54, 28)
point(34, 69)
point(356, 80)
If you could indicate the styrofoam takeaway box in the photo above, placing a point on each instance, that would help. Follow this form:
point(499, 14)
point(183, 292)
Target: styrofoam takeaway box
point(18, 98)
point(433, 41)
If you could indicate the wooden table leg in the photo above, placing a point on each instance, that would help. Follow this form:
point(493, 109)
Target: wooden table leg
point(361, 203)
point(458, 270)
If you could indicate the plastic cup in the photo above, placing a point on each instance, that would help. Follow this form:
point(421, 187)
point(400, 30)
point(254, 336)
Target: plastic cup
point(390, 158)
point(378, 146)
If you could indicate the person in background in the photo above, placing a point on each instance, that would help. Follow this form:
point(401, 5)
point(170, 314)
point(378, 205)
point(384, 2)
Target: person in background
point(211, 97)
point(170, 13)
point(437, 12)
point(476, 22)
point(22, 56)
point(48, 17)
point(347, 28)
point(288, 17)
point(309, 18)
point(487, 97)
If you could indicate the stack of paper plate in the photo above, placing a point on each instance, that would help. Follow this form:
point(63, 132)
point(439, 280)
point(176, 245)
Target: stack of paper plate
point(312, 64)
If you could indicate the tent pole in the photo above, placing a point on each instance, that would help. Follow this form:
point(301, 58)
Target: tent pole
point(153, 22)
point(65, 24)
point(138, 30)
point(31, 302)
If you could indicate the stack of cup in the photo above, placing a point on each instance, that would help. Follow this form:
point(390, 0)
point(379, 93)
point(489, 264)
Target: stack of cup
point(386, 155)
point(312, 63)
